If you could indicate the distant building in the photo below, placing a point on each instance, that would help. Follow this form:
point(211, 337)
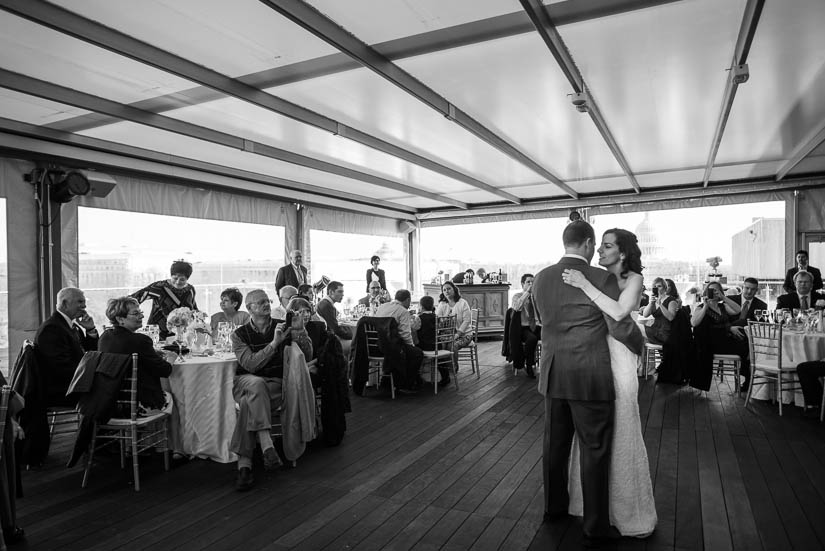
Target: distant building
point(759, 250)
point(104, 271)
point(649, 240)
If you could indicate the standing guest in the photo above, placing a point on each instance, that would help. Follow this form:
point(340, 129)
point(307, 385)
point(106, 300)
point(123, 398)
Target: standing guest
point(530, 332)
point(802, 297)
point(126, 317)
point(809, 374)
point(711, 321)
point(258, 385)
point(375, 273)
point(327, 310)
point(376, 296)
point(294, 273)
point(166, 295)
point(449, 303)
point(663, 306)
point(231, 300)
point(61, 341)
point(284, 296)
point(802, 266)
point(408, 381)
point(459, 277)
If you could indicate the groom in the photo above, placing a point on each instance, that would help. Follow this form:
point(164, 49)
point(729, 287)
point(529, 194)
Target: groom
point(576, 380)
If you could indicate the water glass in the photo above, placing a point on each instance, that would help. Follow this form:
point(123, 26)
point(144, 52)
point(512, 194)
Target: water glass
point(758, 315)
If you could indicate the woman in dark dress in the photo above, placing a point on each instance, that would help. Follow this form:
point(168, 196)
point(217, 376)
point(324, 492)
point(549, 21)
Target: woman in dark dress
point(711, 322)
point(125, 315)
point(169, 294)
point(375, 273)
point(663, 306)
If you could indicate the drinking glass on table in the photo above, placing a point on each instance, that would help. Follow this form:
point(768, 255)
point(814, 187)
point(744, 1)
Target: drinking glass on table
point(757, 314)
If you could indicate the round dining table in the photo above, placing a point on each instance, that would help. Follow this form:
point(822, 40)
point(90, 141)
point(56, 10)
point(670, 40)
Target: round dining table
point(797, 347)
point(203, 418)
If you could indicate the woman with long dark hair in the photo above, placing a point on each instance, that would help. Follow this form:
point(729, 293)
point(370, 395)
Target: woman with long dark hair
point(663, 306)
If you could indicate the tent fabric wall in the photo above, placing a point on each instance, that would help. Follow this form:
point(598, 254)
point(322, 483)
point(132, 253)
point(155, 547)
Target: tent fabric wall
point(21, 217)
point(810, 217)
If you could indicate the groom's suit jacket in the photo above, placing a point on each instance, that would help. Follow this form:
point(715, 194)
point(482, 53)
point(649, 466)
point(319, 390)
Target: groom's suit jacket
point(575, 360)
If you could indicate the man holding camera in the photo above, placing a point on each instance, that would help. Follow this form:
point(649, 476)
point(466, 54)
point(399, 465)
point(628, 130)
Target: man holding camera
point(259, 346)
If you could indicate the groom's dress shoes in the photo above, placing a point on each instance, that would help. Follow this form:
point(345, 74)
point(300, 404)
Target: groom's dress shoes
point(530, 372)
point(556, 516)
point(608, 541)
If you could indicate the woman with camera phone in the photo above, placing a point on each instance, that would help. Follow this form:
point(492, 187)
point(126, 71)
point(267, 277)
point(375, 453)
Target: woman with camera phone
point(663, 306)
point(711, 321)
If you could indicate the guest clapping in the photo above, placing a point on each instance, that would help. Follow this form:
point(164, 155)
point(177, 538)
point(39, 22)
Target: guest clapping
point(169, 294)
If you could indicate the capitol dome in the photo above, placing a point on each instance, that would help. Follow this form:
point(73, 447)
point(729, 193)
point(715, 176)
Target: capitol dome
point(648, 239)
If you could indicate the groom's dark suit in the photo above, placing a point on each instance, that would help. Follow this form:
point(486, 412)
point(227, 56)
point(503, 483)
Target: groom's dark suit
point(577, 384)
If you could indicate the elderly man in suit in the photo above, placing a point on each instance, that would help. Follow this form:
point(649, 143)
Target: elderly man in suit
point(61, 342)
point(802, 297)
point(802, 266)
point(577, 382)
point(294, 273)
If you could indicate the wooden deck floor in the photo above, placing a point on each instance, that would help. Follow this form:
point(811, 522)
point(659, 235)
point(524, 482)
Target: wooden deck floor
point(455, 471)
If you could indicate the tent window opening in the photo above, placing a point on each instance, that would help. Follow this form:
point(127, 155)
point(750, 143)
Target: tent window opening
point(345, 257)
point(121, 252)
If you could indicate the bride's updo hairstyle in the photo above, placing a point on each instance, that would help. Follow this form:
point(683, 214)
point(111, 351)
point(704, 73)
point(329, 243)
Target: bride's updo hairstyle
point(629, 247)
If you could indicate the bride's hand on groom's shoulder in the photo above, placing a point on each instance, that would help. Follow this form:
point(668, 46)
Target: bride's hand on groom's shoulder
point(573, 277)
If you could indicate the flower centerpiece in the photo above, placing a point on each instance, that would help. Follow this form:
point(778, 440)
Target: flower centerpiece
point(199, 331)
point(178, 320)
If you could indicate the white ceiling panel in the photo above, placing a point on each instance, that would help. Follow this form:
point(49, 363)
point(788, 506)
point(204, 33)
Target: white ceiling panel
point(234, 38)
point(174, 144)
point(513, 86)
point(32, 110)
point(239, 118)
point(44, 54)
point(367, 102)
point(540, 191)
point(744, 171)
point(400, 18)
point(783, 99)
point(658, 76)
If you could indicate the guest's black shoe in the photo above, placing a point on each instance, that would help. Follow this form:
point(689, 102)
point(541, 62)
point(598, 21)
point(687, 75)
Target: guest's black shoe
point(556, 516)
point(530, 372)
point(245, 479)
point(810, 413)
point(608, 541)
point(444, 382)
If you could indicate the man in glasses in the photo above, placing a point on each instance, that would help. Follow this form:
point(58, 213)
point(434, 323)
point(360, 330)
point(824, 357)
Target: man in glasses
point(257, 387)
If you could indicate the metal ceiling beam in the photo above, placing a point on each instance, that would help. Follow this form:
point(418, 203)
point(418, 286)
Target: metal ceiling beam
point(310, 19)
point(747, 30)
point(28, 141)
point(67, 22)
point(60, 94)
point(547, 30)
point(465, 34)
point(801, 151)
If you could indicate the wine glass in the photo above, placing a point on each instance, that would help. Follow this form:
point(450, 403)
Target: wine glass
point(786, 316)
point(757, 313)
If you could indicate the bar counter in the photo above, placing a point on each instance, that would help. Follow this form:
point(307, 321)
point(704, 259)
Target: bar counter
point(491, 299)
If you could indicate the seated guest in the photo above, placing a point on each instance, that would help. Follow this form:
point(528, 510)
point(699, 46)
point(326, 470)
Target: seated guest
point(406, 376)
point(376, 297)
point(530, 330)
point(459, 277)
point(644, 299)
point(450, 303)
point(427, 320)
point(169, 294)
point(376, 274)
point(329, 313)
point(711, 321)
point(306, 292)
point(257, 388)
point(663, 306)
point(231, 312)
point(748, 302)
point(125, 315)
point(801, 298)
point(284, 296)
point(61, 341)
point(802, 266)
point(809, 374)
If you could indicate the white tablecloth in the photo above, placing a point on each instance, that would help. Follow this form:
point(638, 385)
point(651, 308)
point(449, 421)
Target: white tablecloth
point(204, 415)
point(797, 347)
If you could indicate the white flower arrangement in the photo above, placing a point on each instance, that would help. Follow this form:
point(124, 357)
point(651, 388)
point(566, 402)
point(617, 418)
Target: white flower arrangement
point(179, 317)
point(200, 322)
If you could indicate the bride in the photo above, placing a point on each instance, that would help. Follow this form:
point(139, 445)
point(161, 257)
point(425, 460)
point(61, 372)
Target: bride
point(632, 509)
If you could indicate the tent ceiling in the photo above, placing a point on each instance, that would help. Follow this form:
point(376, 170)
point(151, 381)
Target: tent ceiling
point(427, 105)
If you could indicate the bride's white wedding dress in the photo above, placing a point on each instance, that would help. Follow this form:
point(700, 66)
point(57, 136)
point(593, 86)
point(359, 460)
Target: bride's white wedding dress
point(632, 509)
